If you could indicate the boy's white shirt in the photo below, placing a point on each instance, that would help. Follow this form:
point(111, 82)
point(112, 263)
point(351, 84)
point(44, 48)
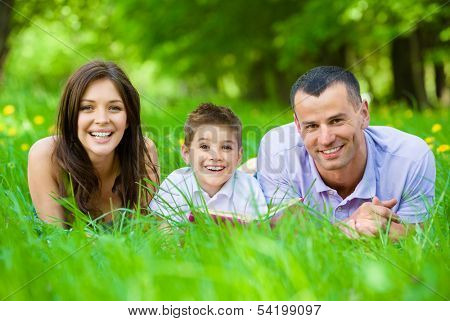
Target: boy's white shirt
point(241, 194)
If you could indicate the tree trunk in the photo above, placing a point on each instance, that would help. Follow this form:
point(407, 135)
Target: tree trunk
point(439, 78)
point(256, 83)
point(5, 29)
point(408, 71)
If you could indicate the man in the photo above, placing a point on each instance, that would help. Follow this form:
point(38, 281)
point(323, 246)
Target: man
point(364, 176)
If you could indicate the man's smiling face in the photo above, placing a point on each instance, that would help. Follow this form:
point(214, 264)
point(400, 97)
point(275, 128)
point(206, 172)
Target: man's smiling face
point(331, 127)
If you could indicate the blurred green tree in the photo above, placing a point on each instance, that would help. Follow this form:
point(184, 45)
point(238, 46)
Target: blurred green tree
point(262, 46)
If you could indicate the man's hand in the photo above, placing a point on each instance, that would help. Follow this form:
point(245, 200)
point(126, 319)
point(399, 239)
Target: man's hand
point(372, 217)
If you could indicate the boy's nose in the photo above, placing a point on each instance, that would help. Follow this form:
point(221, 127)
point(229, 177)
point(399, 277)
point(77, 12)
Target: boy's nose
point(215, 154)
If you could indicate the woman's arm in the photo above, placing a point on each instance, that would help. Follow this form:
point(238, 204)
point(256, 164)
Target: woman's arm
point(151, 175)
point(151, 148)
point(42, 181)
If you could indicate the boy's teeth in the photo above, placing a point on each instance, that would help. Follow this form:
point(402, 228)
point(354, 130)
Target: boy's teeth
point(329, 151)
point(101, 134)
point(214, 168)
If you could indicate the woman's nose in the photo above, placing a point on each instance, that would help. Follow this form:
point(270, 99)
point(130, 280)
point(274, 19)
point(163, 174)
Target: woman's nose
point(101, 116)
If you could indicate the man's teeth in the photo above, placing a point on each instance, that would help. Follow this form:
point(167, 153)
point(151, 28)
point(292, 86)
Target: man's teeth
point(101, 134)
point(215, 168)
point(330, 151)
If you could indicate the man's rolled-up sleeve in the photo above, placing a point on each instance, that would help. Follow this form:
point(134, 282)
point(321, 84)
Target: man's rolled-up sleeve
point(418, 196)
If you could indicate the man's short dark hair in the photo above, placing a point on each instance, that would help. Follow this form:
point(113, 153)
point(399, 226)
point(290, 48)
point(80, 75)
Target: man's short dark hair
point(317, 80)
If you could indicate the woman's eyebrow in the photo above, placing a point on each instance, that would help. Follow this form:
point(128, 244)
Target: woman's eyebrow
point(111, 101)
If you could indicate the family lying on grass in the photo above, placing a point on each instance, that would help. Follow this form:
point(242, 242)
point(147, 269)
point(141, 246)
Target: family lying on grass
point(367, 178)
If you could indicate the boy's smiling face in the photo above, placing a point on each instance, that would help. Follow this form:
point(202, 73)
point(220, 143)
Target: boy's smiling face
point(214, 155)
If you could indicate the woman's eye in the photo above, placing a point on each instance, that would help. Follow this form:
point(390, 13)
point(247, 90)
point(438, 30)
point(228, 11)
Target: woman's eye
point(115, 108)
point(86, 107)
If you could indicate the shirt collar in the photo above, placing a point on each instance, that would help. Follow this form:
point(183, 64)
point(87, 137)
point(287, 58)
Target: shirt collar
point(365, 189)
point(319, 184)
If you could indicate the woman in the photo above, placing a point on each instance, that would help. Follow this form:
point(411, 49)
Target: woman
point(99, 155)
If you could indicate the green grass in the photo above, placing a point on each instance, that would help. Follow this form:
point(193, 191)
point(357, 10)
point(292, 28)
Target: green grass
point(301, 259)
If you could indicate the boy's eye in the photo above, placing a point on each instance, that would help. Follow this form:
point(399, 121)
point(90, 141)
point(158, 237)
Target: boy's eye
point(227, 147)
point(204, 146)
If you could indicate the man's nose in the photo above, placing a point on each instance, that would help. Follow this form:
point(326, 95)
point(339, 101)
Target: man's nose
point(101, 116)
point(326, 135)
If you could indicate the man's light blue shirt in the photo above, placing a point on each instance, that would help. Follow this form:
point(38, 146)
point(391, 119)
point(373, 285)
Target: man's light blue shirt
point(399, 165)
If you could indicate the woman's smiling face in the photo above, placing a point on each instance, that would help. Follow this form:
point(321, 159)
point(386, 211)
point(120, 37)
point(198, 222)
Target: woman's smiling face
point(102, 118)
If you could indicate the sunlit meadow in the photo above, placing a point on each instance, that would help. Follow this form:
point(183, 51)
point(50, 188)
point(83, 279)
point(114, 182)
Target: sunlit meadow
point(301, 259)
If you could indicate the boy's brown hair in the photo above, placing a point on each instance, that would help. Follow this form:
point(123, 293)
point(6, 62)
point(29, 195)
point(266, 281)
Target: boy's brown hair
point(210, 114)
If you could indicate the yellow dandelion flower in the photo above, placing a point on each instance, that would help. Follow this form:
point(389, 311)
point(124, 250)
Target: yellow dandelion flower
point(11, 132)
point(443, 148)
point(8, 110)
point(181, 141)
point(51, 130)
point(436, 128)
point(429, 140)
point(25, 147)
point(38, 120)
point(409, 113)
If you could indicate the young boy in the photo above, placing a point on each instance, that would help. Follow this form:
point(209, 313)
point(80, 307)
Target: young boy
point(213, 149)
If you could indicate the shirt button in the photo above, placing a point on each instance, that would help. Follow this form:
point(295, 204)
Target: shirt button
point(339, 209)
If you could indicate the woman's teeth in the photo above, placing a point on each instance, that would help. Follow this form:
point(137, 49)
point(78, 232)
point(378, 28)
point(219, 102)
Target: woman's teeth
point(330, 151)
point(101, 134)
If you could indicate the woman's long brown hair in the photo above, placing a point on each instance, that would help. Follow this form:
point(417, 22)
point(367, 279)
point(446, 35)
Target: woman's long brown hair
point(132, 153)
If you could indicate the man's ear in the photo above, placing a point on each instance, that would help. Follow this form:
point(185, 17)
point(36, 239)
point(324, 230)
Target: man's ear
point(297, 124)
point(365, 115)
point(185, 153)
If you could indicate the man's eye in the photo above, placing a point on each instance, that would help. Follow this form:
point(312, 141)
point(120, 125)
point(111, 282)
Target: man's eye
point(203, 146)
point(336, 121)
point(310, 126)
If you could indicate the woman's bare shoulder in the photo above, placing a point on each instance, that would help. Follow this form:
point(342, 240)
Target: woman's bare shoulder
point(42, 152)
point(149, 144)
